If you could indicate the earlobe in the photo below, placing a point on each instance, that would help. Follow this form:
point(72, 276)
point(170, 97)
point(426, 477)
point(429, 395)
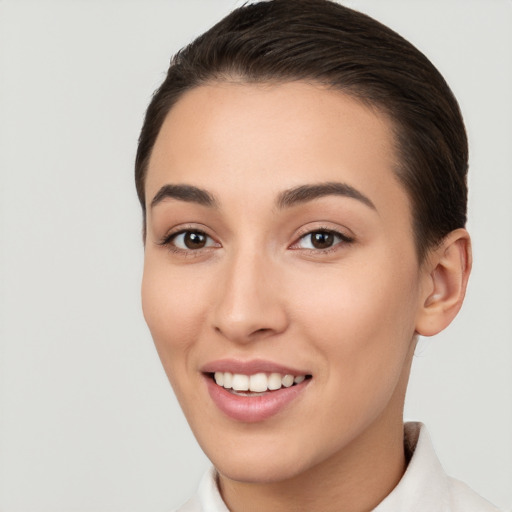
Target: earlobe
point(446, 276)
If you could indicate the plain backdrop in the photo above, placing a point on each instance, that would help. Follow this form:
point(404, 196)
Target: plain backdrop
point(88, 421)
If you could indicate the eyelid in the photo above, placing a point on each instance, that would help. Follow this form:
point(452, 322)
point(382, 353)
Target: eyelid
point(180, 228)
point(170, 235)
point(308, 230)
point(208, 243)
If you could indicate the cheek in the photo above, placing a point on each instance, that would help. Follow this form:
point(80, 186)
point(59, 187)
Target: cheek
point(362, 317)
point(361, 322)
point(172, 309)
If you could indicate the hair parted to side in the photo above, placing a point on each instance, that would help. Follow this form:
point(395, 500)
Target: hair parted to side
point(322, 42)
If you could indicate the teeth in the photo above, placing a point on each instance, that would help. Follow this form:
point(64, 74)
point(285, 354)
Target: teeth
point(240, 382)
point(227, 381)
point(274, 381)
point(219, 378)
point(287, 381)
point(258, 382)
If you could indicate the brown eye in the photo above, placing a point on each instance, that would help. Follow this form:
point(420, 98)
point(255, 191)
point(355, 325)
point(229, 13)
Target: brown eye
point(191, 240)
point(322, 239)
point(194, 240)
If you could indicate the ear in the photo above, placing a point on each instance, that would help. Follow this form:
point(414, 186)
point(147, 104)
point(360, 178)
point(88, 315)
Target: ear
point(446, 273)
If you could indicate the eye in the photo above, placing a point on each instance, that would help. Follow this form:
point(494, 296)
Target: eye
point(190, 240)
point(321, 239)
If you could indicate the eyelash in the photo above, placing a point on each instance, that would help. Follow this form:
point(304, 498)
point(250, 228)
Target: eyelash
point(343, 239)
point(168, 240)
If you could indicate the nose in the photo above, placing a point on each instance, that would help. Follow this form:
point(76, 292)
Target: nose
point(249, 303)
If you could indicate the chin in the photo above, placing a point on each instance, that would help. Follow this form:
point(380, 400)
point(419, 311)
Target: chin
point(263, 459)
point(258, 471)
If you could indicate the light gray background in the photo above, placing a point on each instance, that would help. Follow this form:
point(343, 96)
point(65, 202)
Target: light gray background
point(88, 421)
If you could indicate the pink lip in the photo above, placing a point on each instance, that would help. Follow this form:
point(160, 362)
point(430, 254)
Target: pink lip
point(250, 367)
point(256, 408)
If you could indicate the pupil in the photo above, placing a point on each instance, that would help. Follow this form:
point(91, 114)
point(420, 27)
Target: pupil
point(322, 240)
point(195, 240)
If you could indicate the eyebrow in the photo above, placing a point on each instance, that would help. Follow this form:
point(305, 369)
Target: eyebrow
point(286, 199)
point(305, 193)
point(187, 193)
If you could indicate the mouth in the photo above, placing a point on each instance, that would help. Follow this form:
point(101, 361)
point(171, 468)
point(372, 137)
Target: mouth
point(254, 391)
point(256, 384)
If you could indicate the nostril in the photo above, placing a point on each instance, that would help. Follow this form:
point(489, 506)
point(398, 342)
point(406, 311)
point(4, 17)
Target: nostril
point(249, 324)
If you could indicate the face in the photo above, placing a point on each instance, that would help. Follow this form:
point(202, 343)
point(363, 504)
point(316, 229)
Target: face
point(280, 250)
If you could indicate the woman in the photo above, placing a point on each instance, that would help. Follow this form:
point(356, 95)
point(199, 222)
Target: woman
point(302, 174)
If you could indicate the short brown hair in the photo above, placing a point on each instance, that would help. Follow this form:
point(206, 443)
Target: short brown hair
point(323, 42)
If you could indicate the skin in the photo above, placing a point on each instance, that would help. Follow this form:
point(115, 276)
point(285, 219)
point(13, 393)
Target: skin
point(349, 315)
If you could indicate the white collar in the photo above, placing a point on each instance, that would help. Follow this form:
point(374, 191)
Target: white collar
point(425, 487)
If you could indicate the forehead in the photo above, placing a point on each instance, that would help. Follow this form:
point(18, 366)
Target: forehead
point(271, 137)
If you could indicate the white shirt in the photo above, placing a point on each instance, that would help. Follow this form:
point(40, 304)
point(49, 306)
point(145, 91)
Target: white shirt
point(425, 487)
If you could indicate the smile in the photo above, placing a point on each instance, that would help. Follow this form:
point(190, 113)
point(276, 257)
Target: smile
point(256, 384)
point(254, 397)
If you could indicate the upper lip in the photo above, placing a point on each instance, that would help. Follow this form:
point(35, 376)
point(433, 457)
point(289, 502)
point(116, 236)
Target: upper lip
point(250, 367)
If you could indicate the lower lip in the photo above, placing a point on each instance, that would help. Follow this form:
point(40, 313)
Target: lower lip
point(256, 408)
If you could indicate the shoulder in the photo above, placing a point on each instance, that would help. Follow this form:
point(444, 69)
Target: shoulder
point(208, 498)
point(464, 499)
point(425, 487)
point(191, 505)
